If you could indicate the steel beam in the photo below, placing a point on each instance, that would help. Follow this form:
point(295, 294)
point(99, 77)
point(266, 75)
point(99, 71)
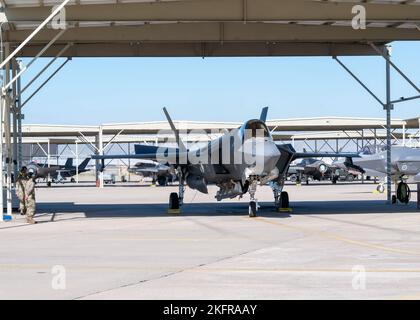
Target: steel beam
point(15, 69)
point(211, 32)
point(46, 67)
point(45, 82)
point(218, 10)
point(388, 107)
point(9, 57)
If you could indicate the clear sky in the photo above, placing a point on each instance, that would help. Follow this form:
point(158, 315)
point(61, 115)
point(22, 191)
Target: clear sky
point(95, 91)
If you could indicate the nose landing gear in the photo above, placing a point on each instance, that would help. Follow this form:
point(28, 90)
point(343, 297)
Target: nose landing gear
point(253, 203)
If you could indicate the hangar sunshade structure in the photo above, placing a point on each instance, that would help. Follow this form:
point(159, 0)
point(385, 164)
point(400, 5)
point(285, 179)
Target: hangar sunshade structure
point(192, 28)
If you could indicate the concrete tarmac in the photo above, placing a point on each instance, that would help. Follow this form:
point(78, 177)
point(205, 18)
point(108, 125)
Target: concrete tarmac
point(339, 242)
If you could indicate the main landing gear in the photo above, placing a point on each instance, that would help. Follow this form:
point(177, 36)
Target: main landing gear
point(403, 193)
point(176, 200)
point(281, 198)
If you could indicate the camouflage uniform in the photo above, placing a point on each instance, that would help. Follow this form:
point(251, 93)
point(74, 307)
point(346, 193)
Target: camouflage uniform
point(25, 191)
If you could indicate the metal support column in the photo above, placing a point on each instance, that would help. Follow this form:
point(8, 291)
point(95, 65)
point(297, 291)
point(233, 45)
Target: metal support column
point(14, 121)
point(419, 134)
point(99, 151)
point(129, 162)
point(418, 195)
point(48, 160)
point(404, 135)
point(7, 136)
point(77, 162)
point(388, 108)
point(2, 107)
point(19, 125)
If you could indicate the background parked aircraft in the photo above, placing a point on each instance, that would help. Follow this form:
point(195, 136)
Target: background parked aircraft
point(160, 173)
point(57, 173)
point(405, 163)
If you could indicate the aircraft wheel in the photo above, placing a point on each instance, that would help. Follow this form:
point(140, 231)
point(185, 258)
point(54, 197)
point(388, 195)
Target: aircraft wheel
point(252, 209)
point(380, 188)
point(394, 199)
point(284, 200)
point(49, 184)
point(72, 180)
point(173, 201)
point(162, 181)
point(403, 193)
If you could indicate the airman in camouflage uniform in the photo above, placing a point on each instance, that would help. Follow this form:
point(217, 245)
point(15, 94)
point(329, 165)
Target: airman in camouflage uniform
point(25, 191)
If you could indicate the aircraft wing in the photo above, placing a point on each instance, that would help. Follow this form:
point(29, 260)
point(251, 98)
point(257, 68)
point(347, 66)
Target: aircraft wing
point(409, 167)
point(149, 156)
point(158, 154)
point(152, 170)
point(300, 155)
point(63, 170)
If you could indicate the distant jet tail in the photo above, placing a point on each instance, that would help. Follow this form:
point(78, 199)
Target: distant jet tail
point(69, 163)
point(350, 165)
point(84, 164)
point(263, 116)
point(179, 142)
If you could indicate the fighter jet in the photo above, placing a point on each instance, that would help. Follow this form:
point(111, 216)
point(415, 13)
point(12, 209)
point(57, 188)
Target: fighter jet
point(57, 173)
point(237, 162)
point(309, 168)
point(405, 163)
point(159, 172)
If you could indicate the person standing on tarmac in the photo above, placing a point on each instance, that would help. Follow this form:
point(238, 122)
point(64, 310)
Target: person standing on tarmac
point(25, 191)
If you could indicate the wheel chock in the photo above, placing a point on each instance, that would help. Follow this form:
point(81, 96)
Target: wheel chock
point(284, 210)
point(152, 186)
point(174, 211)
point(7, 218)
point(377, 192)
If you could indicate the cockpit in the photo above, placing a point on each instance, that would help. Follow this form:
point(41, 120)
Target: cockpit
point(255, 128)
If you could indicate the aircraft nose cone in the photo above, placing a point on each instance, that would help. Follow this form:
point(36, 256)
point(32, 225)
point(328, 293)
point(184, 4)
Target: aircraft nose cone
point(264, 153)
point(271, 156)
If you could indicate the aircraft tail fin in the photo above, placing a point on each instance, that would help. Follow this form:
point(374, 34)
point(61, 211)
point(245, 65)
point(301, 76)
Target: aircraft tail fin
point(350, 165)
point(84, 164)
point(69, 163)
point(263, 116)
point(175, 131)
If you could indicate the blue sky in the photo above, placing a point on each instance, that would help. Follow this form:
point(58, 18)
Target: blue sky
point(94, 91)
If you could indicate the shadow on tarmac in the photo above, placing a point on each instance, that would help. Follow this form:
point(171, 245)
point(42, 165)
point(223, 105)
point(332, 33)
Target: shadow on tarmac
point(267, 209)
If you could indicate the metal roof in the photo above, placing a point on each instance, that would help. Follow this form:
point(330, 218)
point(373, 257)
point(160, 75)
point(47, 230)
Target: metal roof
point(213, 27)
point(344, 135)
point(280, 126)
point(333, 123)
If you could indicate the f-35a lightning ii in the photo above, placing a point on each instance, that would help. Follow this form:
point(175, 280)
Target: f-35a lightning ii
point(160, 173)
point(57, 172)
point(237, 162)
point(405, 164)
